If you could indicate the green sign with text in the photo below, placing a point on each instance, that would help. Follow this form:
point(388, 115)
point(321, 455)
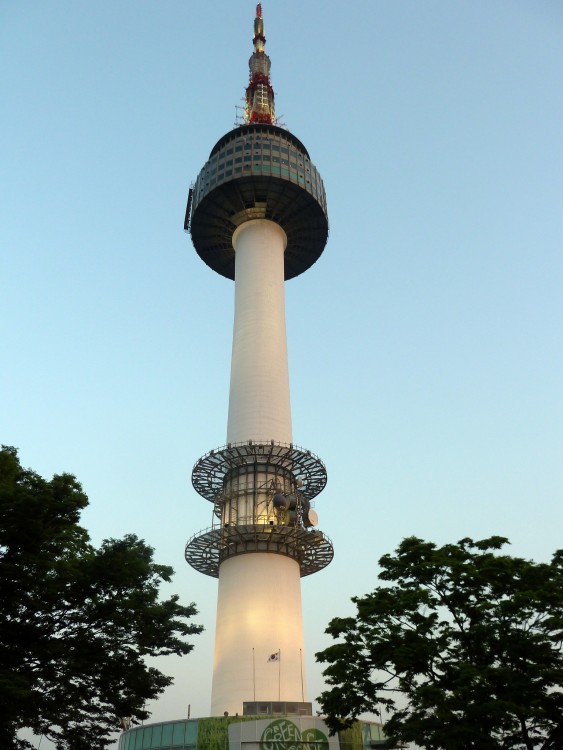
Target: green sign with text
point(283, 734)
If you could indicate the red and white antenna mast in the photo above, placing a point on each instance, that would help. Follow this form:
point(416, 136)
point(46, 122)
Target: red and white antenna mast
point(259, 105)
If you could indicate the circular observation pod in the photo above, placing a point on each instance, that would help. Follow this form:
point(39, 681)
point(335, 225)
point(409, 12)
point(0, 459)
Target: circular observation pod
point(259, 172)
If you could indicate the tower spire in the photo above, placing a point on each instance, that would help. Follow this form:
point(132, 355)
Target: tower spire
point(259, 106)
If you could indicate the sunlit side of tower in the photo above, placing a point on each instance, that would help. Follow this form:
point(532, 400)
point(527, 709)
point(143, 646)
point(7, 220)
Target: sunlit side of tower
point(257, 214)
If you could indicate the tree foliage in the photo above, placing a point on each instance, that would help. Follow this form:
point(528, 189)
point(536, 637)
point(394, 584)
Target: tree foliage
point(76, 622)
point(461, 649)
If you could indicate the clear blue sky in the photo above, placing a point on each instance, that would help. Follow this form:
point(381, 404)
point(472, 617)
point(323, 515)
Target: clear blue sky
point(426, 346)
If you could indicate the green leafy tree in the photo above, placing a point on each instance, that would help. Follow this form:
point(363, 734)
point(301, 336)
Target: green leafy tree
point(461, 648)
point(76, 622)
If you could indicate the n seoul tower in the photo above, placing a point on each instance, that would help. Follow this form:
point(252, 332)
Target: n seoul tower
point(257, 214)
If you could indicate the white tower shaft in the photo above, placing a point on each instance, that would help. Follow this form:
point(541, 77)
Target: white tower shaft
point(259, 647)
point(259, 405)
point(259, 598)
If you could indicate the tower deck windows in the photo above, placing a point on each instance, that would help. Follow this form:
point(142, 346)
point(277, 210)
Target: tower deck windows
point(262, 143)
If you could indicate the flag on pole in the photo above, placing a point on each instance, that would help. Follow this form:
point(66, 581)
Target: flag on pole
point(274, 657)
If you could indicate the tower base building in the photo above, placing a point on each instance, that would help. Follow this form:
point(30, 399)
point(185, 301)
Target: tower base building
point(274, 732)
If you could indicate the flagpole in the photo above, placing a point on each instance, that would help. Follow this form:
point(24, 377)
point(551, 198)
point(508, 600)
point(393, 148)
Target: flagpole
point(254, 675)
point(279, 674)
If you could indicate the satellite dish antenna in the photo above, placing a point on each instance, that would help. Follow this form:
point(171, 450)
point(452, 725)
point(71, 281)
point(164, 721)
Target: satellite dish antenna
point(281, 501)
point(312, 518)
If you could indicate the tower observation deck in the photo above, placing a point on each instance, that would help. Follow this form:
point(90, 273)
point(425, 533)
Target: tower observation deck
point(257, 214)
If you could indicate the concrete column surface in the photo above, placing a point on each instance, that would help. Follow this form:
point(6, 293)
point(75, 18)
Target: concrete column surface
point(258, 615)
point(259, 402)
